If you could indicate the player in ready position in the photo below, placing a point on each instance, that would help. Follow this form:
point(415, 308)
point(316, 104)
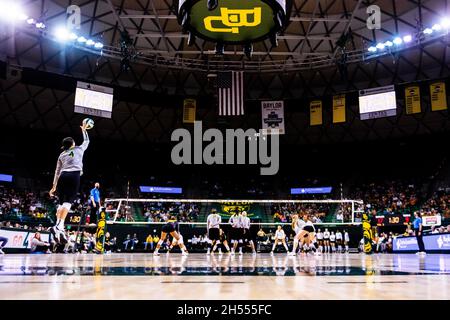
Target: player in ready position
point(171, 227)
point(280, 237)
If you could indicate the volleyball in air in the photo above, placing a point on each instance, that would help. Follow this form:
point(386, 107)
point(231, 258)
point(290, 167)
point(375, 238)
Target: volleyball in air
point(89, 123)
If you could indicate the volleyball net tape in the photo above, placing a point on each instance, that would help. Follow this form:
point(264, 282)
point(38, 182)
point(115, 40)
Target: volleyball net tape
point(137, 211)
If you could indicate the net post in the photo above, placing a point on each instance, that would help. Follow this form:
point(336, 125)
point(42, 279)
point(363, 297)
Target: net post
point(353, 211)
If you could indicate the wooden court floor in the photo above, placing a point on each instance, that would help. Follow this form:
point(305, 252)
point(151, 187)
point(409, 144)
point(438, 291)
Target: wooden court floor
point(198, 276)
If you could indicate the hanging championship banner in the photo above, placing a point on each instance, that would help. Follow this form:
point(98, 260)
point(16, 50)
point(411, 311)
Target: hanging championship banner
point(412, 100)
point(339, 108)
point(438, 96)
point(315, 113)
point(189, 107)
point(272, 113)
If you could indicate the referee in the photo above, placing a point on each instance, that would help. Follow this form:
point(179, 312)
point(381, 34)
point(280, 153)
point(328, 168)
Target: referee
point(418, 231)
point(95, 201)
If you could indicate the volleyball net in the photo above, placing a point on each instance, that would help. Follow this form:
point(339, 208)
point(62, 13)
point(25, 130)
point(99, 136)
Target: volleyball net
point(261, 212)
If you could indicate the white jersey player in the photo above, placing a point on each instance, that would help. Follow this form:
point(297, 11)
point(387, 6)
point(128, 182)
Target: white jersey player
point(339, 241)
point(326, 240)
point(247, 237)
point(213, 226)
point(306, 235)
point(333, 241)
point(280, 237)
point(319, 237)
point(346, 240)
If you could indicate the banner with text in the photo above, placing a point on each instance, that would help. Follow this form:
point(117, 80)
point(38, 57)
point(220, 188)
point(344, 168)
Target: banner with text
point(339, 108)
point(315, 113)
point(438, 95)
point(412, 100)
point(21, 239)
point(189, 108)
point(272, 113)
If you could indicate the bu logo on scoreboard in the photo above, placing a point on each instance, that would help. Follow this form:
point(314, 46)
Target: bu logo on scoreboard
point(231, 20)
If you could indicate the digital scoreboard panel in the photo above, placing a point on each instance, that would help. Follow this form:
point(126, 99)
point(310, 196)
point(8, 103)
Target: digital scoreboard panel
point(377, 103)
point(94, 100)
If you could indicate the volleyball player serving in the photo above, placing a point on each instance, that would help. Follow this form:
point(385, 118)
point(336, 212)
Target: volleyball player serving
point(66, 182)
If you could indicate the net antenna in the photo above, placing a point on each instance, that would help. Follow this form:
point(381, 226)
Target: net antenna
point(354, 207)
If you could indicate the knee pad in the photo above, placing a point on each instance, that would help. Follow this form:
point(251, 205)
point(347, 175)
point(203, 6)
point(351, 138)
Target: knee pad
point(66, 205)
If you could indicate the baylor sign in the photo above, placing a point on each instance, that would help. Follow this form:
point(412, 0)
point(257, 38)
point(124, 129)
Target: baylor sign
point(232, 21)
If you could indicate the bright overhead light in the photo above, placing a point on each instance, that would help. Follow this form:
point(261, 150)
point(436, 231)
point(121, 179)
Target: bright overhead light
point(98, 45)
point(388, 44)
point(81, 39)
point(62, 34)
point(398, 41)
point(445, 23)
point(372, 49)
point(31, 21)
point(437, 27)
point(10, 11)
point(22, 16)
point(73, 36)
point(40, 25)
point(407, 38)
point(90, 42)
point(428, 31)
point(380, 46)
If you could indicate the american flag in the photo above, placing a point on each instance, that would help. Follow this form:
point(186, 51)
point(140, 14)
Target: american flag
point(231, 93)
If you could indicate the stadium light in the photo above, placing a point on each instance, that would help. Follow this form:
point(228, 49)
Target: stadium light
point(428, 31)
point(40, 25)
point(98, 45)
point(380, 46)
point(445, 23)
point(90, 42)
point(388, 44)
point(398, 41)
point(437, 27)
point(81, 39)
point(407, 38)
point(62, 34)
point(372, 49)
point(73, 36)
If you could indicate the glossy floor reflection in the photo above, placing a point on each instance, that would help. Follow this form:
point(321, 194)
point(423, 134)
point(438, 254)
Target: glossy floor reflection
point(198, 276)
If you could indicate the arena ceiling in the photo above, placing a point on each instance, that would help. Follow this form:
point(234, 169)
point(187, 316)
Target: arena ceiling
point(311, 60)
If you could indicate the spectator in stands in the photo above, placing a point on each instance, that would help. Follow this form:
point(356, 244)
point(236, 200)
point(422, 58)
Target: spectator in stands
point(37, 245)
point(148, 241)
point(126, 242)
point(71, 241)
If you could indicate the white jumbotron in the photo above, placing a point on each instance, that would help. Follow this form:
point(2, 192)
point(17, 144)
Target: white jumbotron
point(354, 206)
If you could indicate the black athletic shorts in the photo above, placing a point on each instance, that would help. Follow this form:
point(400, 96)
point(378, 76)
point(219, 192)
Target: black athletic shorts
point(309, 228)
point(236, 233)
point(168, 228)
point(246, 235)
point(214, 234)
point(68, 186)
